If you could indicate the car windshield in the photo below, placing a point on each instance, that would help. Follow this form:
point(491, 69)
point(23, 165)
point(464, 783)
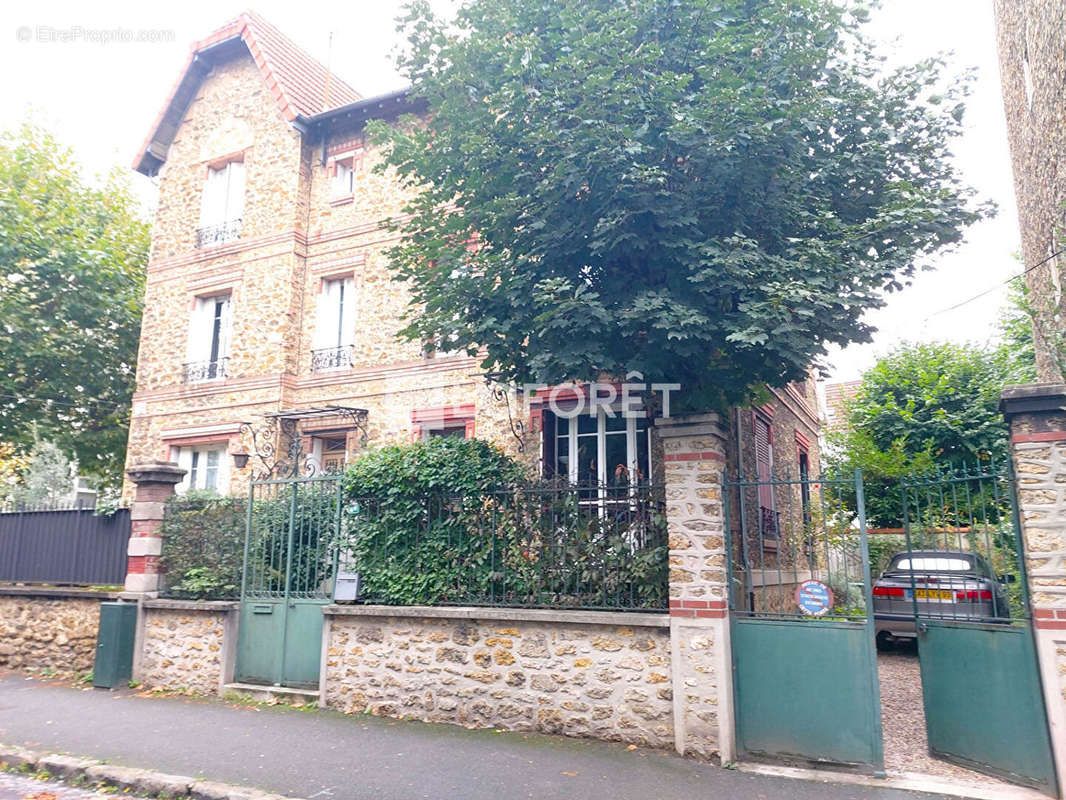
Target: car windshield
point(933, 564)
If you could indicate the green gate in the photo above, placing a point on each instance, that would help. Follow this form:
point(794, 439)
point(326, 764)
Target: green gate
point(984, 703)
point(804, 666)
point(289, 569)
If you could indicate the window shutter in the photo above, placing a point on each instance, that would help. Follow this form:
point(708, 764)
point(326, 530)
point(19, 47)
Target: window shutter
point(347, 321)
point(198, 346)
point(225, 329)
point(212, 206)
point(234, 191)
point(326, 316)
point(763, 464)
point(548, 448)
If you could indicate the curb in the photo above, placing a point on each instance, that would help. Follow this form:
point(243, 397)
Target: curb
point(141, 782)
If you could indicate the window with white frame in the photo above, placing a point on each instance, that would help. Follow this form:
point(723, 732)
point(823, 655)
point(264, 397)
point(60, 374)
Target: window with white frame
point(599, 450)
point(335, 325)
point(329, 453)
point(222, 206)
point(206, 468)
point(343, 182)
point(208, 346)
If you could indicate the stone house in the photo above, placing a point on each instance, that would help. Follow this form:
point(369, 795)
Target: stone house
point(268, 293)
point(1032, 66)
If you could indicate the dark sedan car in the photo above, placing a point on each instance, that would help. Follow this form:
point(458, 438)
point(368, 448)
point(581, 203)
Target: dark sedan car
point(942, 584)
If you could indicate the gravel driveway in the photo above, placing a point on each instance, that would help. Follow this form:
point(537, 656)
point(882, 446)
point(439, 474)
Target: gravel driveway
point(903, 719)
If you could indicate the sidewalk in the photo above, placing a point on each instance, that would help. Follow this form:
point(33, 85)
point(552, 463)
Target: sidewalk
point(319, 754)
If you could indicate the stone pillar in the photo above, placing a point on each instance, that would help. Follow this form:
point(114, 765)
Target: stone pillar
point(701, 660)
point(1036, 414)
point(154, 482)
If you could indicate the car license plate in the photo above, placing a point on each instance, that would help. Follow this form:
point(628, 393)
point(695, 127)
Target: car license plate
point(934, 594)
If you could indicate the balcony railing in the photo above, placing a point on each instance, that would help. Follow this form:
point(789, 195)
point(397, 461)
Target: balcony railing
point(331, 358)
point(196, 371)
point(212, 235)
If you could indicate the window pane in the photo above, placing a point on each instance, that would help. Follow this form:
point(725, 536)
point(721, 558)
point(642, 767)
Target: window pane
point(193, 483)
point(617, 462)
point(211, 472)
point(587, 424)
point(587, 472)
point(562, 452)
point(615, 423)
point(643, 458)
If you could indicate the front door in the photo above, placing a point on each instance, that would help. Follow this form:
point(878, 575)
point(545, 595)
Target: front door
point(289, 568)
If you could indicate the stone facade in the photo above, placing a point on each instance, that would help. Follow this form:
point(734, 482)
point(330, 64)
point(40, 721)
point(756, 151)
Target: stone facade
point(554, 672)
point(1032, 65)
point(295, 233)
point(1037, 418)
point(49, 630)
point(186, 646)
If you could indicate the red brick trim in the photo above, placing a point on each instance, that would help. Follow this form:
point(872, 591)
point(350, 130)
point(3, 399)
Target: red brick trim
point(706, 455)
point(1039, 436)
point(141, 565)
point(699, 609)
point(1050, 624)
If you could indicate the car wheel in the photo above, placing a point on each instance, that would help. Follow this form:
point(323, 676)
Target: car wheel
point(885, 642)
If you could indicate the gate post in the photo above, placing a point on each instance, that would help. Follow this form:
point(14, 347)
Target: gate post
point(1036, 415)
point(694, 457)
point(155, 482)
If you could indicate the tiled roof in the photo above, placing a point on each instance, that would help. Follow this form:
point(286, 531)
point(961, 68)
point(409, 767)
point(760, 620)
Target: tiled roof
point(301, 85)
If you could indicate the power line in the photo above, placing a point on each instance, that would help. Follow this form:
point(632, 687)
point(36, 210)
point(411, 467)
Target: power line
point(991, 289)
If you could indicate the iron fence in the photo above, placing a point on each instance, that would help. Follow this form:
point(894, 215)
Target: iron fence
point(211, 235)
point(196, 371)
point(67, 546)
point(328, 358)
point(968, 510)
point(811, 540)
point(592, 547)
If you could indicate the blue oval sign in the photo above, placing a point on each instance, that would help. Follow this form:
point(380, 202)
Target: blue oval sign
point(814, 598)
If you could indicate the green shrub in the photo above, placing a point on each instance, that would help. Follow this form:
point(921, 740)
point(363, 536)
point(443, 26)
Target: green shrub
point(457, 521)
point(203, 545)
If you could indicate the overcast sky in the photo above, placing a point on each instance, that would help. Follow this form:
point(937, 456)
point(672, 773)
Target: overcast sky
point(102, 99)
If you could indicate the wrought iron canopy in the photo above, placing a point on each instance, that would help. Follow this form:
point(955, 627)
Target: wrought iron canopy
point(277, 443)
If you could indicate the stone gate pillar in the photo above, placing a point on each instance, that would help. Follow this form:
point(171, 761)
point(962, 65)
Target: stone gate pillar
point(155, 482)
point(701, 660)
point(1036, 414)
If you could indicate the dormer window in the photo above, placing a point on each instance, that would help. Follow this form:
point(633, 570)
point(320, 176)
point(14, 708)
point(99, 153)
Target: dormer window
point(222, 207)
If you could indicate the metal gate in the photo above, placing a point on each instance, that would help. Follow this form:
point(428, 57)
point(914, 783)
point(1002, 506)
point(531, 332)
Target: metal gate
point(289, 568)
point(805, 671)
point(961, 587)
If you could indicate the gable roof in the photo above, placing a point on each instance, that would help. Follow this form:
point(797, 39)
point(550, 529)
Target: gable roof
point(301, 85)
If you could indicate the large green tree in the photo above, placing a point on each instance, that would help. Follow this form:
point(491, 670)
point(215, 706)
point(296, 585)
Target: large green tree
point(73, 253)
point(926, 406)
point(704, 192)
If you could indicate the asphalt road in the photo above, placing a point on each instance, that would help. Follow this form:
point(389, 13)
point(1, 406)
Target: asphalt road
point(318, 754)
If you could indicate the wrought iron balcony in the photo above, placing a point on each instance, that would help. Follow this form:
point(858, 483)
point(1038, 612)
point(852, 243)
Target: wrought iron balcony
point(331, 358)
point(211, 235)
point(197, 371)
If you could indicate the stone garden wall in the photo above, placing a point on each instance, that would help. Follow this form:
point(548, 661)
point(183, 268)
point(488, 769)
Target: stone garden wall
point(52, 630)
point(595, 674)
point(186, 645)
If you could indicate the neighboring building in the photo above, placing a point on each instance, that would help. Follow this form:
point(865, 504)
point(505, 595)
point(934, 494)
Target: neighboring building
point(837, 396)
point(1032, 65)
point(269, 298)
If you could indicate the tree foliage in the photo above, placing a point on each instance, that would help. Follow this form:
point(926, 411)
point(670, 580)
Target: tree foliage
point(73, 256)
point(702, 192)
point(923, 406)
